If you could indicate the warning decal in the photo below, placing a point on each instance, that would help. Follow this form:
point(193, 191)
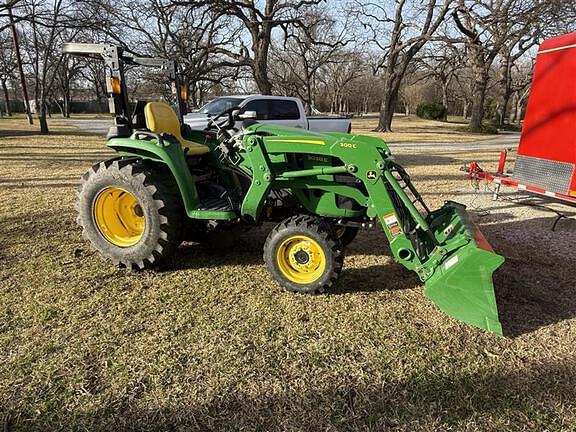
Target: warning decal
point(392, 223)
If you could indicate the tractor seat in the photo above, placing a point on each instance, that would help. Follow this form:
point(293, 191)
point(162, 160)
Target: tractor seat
point(161, 118)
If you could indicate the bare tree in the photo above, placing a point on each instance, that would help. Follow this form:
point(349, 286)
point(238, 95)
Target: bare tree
point(68, 70)
point(490, 28)
point(12, 19)
point(189, 34)
point(399, 29)
point(521, 78)
point(443, 63)
point(42, 38)
point(10, 14)
point(7, 69)
point(337, 80)
point(417, 88)
point(259, 21)
point(297, 62)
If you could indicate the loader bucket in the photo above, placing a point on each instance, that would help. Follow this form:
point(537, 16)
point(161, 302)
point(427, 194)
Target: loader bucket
point(461, 285)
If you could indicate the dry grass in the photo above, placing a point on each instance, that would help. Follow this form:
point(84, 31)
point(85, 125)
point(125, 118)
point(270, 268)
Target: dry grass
point(414, 129)
point(213, 343)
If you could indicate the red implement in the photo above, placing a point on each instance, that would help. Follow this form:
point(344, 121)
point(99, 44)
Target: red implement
point(546, 158)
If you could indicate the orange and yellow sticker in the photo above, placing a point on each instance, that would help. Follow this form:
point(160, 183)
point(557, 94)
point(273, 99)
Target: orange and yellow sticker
point(391, 222)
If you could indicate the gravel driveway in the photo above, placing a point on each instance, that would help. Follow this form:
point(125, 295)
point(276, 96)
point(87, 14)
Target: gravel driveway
point(505, 139)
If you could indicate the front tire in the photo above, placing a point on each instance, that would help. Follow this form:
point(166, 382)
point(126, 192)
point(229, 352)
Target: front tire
point(130, 211)
point(303, 254)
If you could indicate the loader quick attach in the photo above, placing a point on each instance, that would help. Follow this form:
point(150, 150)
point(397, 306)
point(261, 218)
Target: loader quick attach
point(169, 184)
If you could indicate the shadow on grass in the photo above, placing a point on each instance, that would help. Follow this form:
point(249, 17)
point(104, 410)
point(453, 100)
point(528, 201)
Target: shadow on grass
point(49, 182)
point(10, 133)
point(26, 185)
point(533, 290)
point(534, 398)
point(534, 287)
point(384, 277)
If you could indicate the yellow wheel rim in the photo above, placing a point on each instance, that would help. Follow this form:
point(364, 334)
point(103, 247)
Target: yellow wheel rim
point(301, 259)
point(119, 217)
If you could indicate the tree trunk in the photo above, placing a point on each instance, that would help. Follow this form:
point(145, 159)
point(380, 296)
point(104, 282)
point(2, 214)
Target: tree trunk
point(479, 91)
point(308, 98)
point(505, 86)
point(513, 110)
point(520, 106)
point(66, 112)
point(387, 106)
point(260, 65)
point(465, 106)
point(445, 85)
point(518, 110)
point(261, 78)
point(60, 107)
point(19, 64)
point(6, 98)
point(479, 86)
point(386, 115)
point(503, 107)
point(42, 118)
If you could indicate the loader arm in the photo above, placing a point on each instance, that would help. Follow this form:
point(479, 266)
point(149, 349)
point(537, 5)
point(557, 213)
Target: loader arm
point(445, 249)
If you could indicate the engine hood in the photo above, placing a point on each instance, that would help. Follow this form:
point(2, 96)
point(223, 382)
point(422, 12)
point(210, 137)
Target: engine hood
point(292, 133)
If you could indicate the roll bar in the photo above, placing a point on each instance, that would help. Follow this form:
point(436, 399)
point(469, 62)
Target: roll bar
point(115, 58)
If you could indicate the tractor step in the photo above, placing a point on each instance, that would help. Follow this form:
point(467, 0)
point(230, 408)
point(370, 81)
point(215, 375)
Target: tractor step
point(215, 204)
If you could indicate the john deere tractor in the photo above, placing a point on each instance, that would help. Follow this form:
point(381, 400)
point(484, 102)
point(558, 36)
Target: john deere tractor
point(168, 184)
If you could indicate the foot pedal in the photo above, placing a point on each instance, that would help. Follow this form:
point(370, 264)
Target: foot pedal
point(215, 204)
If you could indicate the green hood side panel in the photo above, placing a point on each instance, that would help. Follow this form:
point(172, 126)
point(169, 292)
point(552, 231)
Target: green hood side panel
point(329, 138)
point(278, 130)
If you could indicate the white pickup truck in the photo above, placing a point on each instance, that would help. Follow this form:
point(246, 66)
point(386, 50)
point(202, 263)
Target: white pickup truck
point(281, 110)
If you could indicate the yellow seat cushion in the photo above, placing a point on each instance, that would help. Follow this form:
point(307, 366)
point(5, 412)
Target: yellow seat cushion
point(161, 118)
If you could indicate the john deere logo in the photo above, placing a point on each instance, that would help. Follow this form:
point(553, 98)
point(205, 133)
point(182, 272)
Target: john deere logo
point(371, 175)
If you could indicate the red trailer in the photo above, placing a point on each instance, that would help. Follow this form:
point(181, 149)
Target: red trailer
point(546, 158)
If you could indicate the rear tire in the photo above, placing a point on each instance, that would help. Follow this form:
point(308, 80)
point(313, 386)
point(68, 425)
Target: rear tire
point(303, 254)
point(131, 212)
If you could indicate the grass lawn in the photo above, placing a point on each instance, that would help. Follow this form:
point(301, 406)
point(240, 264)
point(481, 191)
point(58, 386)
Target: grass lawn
point(414, 129)
point(212, 343)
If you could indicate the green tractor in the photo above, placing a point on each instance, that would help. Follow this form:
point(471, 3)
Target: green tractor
point(170, 184)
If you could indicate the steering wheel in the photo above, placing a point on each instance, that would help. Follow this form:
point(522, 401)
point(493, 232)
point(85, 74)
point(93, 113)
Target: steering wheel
point(223, 125)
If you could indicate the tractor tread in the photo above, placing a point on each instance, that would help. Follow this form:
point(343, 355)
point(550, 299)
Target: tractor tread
point(155, 188)
point(323, 233)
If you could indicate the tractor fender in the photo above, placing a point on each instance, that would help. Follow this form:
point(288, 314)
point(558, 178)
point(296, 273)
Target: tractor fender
point(166, 152)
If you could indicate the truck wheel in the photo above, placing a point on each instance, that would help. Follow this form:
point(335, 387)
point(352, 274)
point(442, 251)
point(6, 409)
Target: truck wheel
point(303, 254)
point(346, 234)
point(130, 212)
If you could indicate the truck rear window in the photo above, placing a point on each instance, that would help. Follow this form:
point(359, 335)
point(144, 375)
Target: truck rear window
point(261, 108)
point(273, 109)
point(283, 110)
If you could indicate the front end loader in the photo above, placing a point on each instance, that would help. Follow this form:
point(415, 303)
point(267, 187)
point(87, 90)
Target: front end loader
point(169, 184)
